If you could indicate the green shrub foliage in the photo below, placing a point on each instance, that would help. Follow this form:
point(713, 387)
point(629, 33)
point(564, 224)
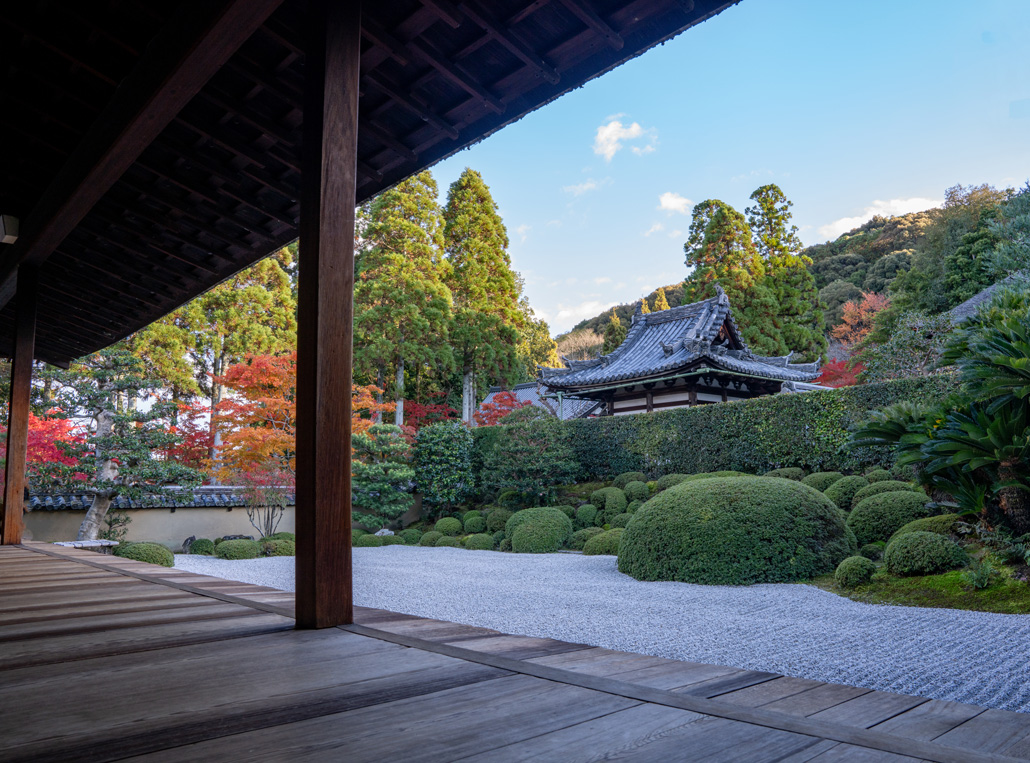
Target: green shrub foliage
point(620, 520)
point(787, 473)
point(474, 525)
point(479, 542)
point(586, 515)
point(669, 480)
point(943, 524)
point(154, 553)
point(873, 551)
point(538, 531)
point(923, 553)
point(627, 477)
point(369, 541)
point(842, 492)
point(382, 475)
point(854, 571)
point(442, 457)
point(203, 546)
point(878, 475)
point(529, 458)
point(410, 536)
point(633, 506)
point(637, 491)
point(283, 536)
point(710, 475)
point(610, 501)
point(498, 537)
point(885, 486)
point(496, 519)
point(430, 538)
point(580, 537)
point(822, 480)
point(283, 547)
point(606, 543)
point(238, 549)
point(448, 541)
point(393, 540)
point(448, 526)
point(504, 545)
point(736, 531)
point(880, 516)
point(472, 513)
point(357, 533)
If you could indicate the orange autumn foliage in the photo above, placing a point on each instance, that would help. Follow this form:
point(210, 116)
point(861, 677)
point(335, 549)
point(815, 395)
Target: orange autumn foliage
point(858, 318)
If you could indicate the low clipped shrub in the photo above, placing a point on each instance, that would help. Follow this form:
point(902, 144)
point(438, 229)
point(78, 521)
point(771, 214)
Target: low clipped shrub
point(821, 480)
point(430, 538)
point(606, 543)
point(621, 520)
point(873, 551)
point(154, 553)
point(711, 475)
point(469, 514)
point(586, 515)
point(843, 491)
point(475, 524)
point(637, 491)
point(282, 547)
point(627, 477)
point(633, 506)
point(448, 526)
point(479, 542)
point(504, 545)
point(498, 537)
point(569, 511)
point(392, 540)
point(202, 546)
point(669, 480)
point(538, 531)
point(369, 541)
point(609, 500)
point(854, 571)
point(580, 537)
point(787, 473)
point(410, 536)
point(923, 553)
point(884, 486)
point(735, 531)
point(355, 534)
point(497, 519)
point(942, 524)
point(880, 516)
point(447, 541)
point(878, 475)
point(238, 549)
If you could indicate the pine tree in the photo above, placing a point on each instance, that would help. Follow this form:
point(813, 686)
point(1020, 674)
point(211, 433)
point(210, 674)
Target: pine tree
point(485, 328)
point(660, 301)
point(614, 334)
point(644, 309)
point(402, 306)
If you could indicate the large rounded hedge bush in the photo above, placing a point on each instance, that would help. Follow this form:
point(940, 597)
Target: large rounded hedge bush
point(670, 480)
point(538, 531)
point(586, 515)
point(392, 540)
point(497, 519)
point(923, 553)
point(447, 541)
point(279, 547)
point(448, 526)
point(430, 538)
point(712, 475)
point(736, 531)
point(620, 520)
point(203, 546)
point(580, 537)
point(878, 475)
point(479, 542)
point(410, 536)
point(821, 480)
point(884, 486)
point(942, 524)
point(475, 525)
point(369, 541)
point(606, 543)
point(151, 553)
point(872, 551)
point(637, 491)
point(843, 491)
point(880, 516)
point(238, 549)
point(609, 500)
point(787, 473)
point(627, 477)
point(854, 571)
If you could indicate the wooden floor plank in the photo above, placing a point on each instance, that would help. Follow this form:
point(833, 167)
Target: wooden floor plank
point(847, 753)
point(869, 709)
point(102, 592)
point(930, 719)
point(724, 684)
point(990, 731)
point(517, 647)
point(72, 610)
point(769, 691)
point(815, 700)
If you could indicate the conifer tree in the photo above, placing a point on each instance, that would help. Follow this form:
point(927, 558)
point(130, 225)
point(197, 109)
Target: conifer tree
point(644, 309)
point(661, 302)
point(484, 331)
point(402, 306)
point(614, 334)
point(536, 347)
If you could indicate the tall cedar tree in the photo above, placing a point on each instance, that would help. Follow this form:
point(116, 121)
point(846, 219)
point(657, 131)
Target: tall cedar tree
point(484, 330)
point(401, 300)
point(799, 315)
point(661, 302)
point(644, 307)
point(536, 346)
point(721, 251)
point(614, 334)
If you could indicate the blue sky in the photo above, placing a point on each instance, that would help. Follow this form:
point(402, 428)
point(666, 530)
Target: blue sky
point(851, 108)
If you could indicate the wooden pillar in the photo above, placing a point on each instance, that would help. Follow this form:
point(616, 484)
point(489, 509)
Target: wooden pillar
point(723, 384)
point(692, 394)
point(326, 314)
point(18, 421)
point(650, 401)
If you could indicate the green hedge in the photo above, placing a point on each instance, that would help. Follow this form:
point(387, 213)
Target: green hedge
point(607, 543)
point(151, 553)
point(204, 546)
point(538, 531)
point(238, 549)
point(842, 492)
point(580, 537)
point(923, 553)
point(854, 571)
point(880, 516)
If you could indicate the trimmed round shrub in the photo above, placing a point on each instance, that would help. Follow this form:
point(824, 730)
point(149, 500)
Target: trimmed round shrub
point(821, 480)
point(735, 531)
point(202, 546)
point(479, 542)
point(880, 516)
point(498, 537)
point(621, 520)
point(637, 491)
point(606, 543)
point(447, 541)
point(475, 524)
point(885, 486)
point(469, 514)
point(281, 547)
point(609, 500)
point(878, 475)
point(854, 571)
point(923, 553)
point(569, 511)
point(510, 499)
point(448, 526)
point(538, 531)
point(238, 549)
point(849, 534)
point(873, 551)
point(580, 537)
point(410, 536)
point(155, 553)
point(430, 538)
point(787, 473)
point(942, 524)
point(392, 540)
point(843, 491)
point(497, 519)
point(369, 541)
point(669, 480)
point(633, 506)
point(711, 475)
point(355, 534)
point(627, 477)
point(504, 545)
point(586, 515)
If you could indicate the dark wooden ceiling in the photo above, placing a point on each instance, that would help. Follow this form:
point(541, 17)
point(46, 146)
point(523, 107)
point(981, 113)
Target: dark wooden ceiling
point(218, 188)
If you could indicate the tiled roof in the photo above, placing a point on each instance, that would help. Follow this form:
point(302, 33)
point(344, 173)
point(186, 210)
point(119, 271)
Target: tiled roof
point(203, 498)
point(969, 308)
point(571, 408)
point(669, 340)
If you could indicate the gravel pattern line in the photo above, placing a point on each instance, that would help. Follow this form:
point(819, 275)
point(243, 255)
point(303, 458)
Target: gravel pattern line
point(798, 630)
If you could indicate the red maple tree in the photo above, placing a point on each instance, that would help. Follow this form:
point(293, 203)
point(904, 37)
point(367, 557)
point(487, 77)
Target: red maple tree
point(418, 415)
point(502, 404)
point(858, 318)
point(840, 373)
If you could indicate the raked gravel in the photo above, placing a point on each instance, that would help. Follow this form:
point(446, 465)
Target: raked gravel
point(797, 630)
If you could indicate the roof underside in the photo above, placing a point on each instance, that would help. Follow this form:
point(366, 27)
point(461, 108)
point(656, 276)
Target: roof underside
point(219, 188)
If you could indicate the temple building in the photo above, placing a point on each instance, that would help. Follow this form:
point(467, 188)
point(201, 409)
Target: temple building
point(688, 355)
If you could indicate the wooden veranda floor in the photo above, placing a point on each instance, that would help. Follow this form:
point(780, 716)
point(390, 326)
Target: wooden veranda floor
point(106, 659)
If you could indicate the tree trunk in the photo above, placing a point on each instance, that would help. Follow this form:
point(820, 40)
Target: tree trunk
point(1014, 501)
point(398, 415)
point(377, 417)
point(468, 396)
point(108, 471)
point(90, 527)
point(217, 391)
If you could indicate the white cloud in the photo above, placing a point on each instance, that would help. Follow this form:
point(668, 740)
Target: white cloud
point(602, 279)
point(654, 229)
point(670, 201)
point(613, 134)
point(569, 315)
point(587, 185)
point(878, 207)
point(675, 233)
point(522, 230)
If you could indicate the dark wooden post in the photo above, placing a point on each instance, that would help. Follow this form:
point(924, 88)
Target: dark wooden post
point(18, 421)
point(325, 316)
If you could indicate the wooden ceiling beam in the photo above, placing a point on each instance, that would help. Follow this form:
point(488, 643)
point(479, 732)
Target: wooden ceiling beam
point(176, 65)
point(510, 40)
point(589, 17)
point(422, 111)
